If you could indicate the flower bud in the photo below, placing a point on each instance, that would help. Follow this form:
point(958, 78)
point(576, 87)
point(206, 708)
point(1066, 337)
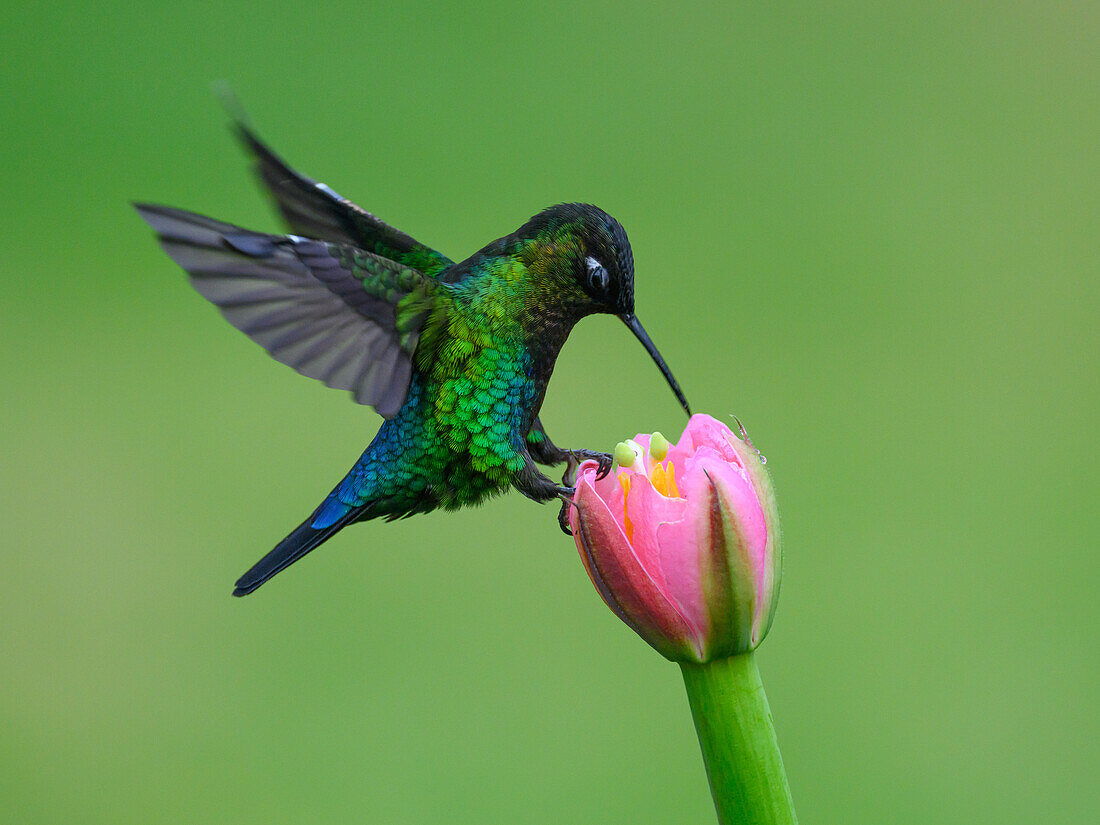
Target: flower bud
point(683, 541)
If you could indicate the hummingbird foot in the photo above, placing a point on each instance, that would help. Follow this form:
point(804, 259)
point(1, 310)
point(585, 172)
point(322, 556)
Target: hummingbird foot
point(538, 487)
point(573, 459)
point(563, 513)
point(603, 460)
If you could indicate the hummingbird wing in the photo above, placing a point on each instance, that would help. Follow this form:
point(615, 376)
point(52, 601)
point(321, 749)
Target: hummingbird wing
point(313, 209)
point(342, 315)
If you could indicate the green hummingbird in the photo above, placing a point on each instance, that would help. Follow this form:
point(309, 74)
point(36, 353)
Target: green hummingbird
point(454, 356)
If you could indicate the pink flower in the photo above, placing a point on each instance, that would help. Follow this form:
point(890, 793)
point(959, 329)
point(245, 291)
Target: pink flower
point(682, 542)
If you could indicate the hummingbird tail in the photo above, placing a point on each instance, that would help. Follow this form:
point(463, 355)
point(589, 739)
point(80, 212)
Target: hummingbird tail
point(304, 538)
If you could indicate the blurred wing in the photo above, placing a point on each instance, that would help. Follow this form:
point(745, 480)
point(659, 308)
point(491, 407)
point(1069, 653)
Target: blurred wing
point(313, 209)
point(328, 310)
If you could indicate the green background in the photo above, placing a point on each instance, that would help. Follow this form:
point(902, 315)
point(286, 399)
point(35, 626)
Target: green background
point(870, 232)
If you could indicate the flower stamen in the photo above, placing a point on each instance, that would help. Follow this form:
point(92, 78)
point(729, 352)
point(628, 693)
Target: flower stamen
point(624, 455)
point(664, 480)
point(658, 446)
point(660, 480)
point(628, 527)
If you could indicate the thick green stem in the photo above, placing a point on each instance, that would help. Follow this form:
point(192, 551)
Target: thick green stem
point(738, 741)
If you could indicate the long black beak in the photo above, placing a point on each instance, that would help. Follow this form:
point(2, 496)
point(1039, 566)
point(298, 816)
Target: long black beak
point(635, 326)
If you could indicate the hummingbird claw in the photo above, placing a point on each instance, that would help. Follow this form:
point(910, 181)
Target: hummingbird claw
point(563, 515)
point(566, 493)
point(563, 520)
point(603, 461)
point(569, 478)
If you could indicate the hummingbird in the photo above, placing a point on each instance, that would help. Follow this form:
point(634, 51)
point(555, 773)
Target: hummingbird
point(456, 357)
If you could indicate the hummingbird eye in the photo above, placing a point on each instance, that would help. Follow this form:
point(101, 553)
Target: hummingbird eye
point(598, 279)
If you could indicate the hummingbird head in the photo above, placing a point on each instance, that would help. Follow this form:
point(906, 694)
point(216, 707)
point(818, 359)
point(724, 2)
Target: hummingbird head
point(589, 251)
point(585, 252)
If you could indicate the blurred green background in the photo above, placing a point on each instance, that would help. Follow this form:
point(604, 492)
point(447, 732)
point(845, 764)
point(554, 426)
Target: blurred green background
point(870, 232)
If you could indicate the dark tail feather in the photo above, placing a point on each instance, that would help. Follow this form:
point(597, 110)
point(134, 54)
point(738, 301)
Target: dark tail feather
point(289, 550)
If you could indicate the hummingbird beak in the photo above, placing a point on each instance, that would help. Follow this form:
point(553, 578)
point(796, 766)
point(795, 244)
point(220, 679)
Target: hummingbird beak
point(635, 326)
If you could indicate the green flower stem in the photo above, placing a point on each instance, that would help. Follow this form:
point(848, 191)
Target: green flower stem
point(738, 741)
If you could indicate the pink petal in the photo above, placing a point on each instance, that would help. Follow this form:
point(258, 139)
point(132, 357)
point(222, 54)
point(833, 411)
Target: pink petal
point(745, 513)
point(705, 431)
point(740, 500)
point(620, 577)
point(673, 566)
point(605, 487)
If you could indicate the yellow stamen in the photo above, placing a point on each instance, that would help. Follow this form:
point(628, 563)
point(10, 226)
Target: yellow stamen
point(664, 481)
point(624, 482)
point(660, 480)
point(673, 490)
